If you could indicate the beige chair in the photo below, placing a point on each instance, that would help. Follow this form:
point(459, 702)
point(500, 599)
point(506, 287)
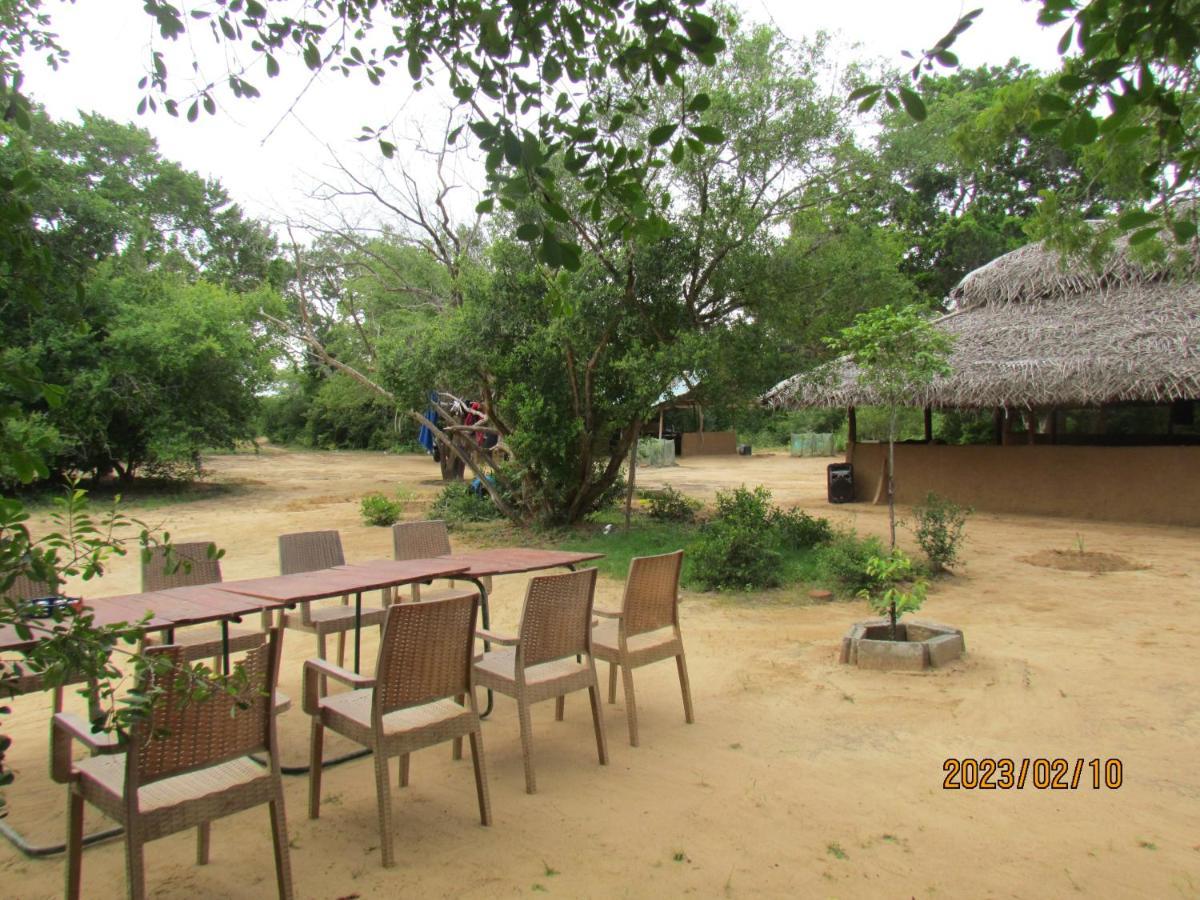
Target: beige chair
point(426, 540)
point(644, 630)
point(415, 700)
point(196, 567)
point(184, 765)
point(309, 550)
point(20, 679)
point(551, 657)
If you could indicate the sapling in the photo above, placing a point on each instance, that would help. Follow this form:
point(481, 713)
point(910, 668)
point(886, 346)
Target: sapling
point(896, 587)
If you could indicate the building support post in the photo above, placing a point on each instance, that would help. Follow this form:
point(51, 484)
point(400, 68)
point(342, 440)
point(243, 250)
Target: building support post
point(928, 425)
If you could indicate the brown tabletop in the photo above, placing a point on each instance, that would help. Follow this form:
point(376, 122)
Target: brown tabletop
point(340, 580)
point(514, 560)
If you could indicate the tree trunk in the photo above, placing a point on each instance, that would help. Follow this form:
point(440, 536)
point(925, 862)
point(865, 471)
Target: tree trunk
point(891, 484)
point(633, 454)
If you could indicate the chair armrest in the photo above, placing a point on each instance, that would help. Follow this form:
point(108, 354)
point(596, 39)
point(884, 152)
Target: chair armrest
point(607, 613)
point(315, 668)
point(504, 640)
point(66, 728)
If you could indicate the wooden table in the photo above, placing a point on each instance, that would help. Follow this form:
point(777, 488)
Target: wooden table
point(302, 587)
point(483, 564)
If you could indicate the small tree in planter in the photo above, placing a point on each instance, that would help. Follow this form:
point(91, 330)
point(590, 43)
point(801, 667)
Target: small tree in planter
point(896, 587)
point(938, 526)
point(898, 353)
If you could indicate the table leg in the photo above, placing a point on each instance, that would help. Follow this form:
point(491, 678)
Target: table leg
point(357, 629)
point(487, 623)
point(225, 646)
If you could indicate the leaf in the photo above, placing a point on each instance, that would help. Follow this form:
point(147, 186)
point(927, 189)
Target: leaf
point(1184, 230)
point(193, 112)
point(710, 134)
point(272, 66)
point(1136, 218)
point(485, 206)
point(530, 231)
point(699, 103)
point(1141, 237)
point(865, 91)
point(660, 135)
point(387, 148)
point(551, 69)
point(913, 104)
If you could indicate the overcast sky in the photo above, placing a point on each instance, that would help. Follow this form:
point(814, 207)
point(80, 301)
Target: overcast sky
point(269, 157)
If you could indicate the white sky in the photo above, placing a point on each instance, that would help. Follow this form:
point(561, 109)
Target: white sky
point(268, 159)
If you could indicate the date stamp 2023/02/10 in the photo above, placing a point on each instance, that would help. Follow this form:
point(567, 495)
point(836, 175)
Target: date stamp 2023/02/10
point(1004, 773)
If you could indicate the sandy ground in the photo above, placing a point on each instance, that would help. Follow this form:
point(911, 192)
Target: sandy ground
point(800, 777)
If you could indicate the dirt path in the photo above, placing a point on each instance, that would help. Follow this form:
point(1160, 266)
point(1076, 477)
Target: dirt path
point(799, 778)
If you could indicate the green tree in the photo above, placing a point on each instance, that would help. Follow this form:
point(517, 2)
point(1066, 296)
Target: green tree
point(896, 353)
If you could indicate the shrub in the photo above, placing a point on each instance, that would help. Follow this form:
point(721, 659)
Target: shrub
point(457, 504)
point(940, 523)
point(843, 561)
point(376, 509)
point(798, 530)
point(669, 505)
point(738, 548)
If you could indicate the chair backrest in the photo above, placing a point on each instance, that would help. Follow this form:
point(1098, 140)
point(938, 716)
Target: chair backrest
point(420, 540)
point(195, 567)
point(309, 550)
point(182, 733)
point(652, 592)
point(426, 653)
point(557, 619)
point(25, 588)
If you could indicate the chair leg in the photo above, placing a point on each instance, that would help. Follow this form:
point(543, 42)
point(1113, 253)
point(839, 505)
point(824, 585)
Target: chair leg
point(612, 682)
point(560, 707)
point(323, 686)
point(316, 749)
point(456, 746)
point(279, 837)
point(481, 785)
point(404, 769)
point(341, 660)
point(135, 864)
point(202, 841)
point(383, 791)
point(527, 745)
point(686, 687)
point(598, 721)
point(74, 844)
point(630, 704)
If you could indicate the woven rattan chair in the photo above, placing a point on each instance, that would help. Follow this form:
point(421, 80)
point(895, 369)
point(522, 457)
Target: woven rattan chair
point(309, 550)
point(196, 567)
point(20, 679)
point(414, 700)
point(644, 630)
point(425, 540)
point(184, 765)
point(551, 657)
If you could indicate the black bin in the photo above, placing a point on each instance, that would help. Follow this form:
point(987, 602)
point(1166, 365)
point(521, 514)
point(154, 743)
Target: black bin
point(840, 480)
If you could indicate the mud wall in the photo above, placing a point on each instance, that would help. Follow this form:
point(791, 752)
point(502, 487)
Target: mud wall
point(1134, 484)
point(708, 443)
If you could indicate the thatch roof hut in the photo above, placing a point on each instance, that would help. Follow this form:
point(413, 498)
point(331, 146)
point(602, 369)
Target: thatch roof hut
point(1031, 332)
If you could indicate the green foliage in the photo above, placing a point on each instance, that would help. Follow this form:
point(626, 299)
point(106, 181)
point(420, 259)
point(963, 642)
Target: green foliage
point(377, 509)
point(738, 547)
point(843, 561)
point(893, 587)
point(669, 505)
point(798, 530)
point(457, 504)
point(939, 524)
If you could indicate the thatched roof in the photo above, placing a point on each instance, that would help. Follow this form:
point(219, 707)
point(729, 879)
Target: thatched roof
point(1029, 332)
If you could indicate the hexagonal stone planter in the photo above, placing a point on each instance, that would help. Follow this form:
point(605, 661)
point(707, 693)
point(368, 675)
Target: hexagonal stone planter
point(920, 645)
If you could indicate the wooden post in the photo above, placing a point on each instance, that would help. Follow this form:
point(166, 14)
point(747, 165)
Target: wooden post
point(1031, 420)
point(660, 424)
point(998, 425)
point(1007, 432)
point(1052, 425)
point(851, 427)
point(928, 425)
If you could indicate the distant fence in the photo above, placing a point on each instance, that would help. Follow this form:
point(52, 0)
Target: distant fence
point(653, 452)
point(810, 443)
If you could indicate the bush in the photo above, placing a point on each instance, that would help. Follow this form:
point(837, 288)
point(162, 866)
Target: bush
point(376, 509)
point(843, 561)
point(669, 505)
point(457, 504)
point(940, 523)
point(798, 530)
point(738, 548)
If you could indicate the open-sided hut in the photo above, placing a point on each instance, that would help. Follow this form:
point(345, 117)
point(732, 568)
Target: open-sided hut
point(1032, 340)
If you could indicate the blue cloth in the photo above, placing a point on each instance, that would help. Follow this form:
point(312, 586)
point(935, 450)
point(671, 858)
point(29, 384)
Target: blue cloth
point(425, 436)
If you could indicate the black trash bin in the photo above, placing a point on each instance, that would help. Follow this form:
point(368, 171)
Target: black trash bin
point(840, 480)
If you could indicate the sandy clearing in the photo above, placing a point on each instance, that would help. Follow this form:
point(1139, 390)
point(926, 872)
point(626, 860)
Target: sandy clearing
point(800, 777)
